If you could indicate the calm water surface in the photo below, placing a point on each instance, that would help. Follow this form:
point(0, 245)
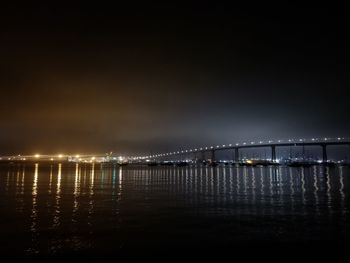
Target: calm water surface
point(65, 208)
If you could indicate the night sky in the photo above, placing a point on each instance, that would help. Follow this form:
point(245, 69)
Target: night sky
point(142, 78)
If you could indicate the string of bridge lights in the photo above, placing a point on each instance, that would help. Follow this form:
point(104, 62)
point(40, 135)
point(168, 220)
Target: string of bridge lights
point(223, 146)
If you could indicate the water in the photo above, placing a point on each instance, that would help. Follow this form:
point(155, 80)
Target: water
point(84, 209)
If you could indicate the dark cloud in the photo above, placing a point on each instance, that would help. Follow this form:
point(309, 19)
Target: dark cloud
point(155, 77)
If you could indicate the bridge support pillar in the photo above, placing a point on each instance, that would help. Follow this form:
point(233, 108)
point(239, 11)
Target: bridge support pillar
point(324, 153)
point(273, 153)
point(236, 159)
point(212, 155)
point(202, 156)
point(195, 158)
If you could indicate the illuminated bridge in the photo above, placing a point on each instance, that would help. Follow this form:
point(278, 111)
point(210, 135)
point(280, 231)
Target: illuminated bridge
point(193, 153)
point(236, 147)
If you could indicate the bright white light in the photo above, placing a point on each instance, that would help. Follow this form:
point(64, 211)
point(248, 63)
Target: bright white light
point(37, 156)
point(60, 156)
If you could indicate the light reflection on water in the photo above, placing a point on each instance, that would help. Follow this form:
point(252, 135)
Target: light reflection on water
point(59, 208)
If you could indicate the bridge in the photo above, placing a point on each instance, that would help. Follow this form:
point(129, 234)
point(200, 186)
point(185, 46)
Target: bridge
point(323, 143)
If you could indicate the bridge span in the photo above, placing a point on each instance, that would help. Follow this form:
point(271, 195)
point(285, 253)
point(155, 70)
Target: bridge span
point(236, 147)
